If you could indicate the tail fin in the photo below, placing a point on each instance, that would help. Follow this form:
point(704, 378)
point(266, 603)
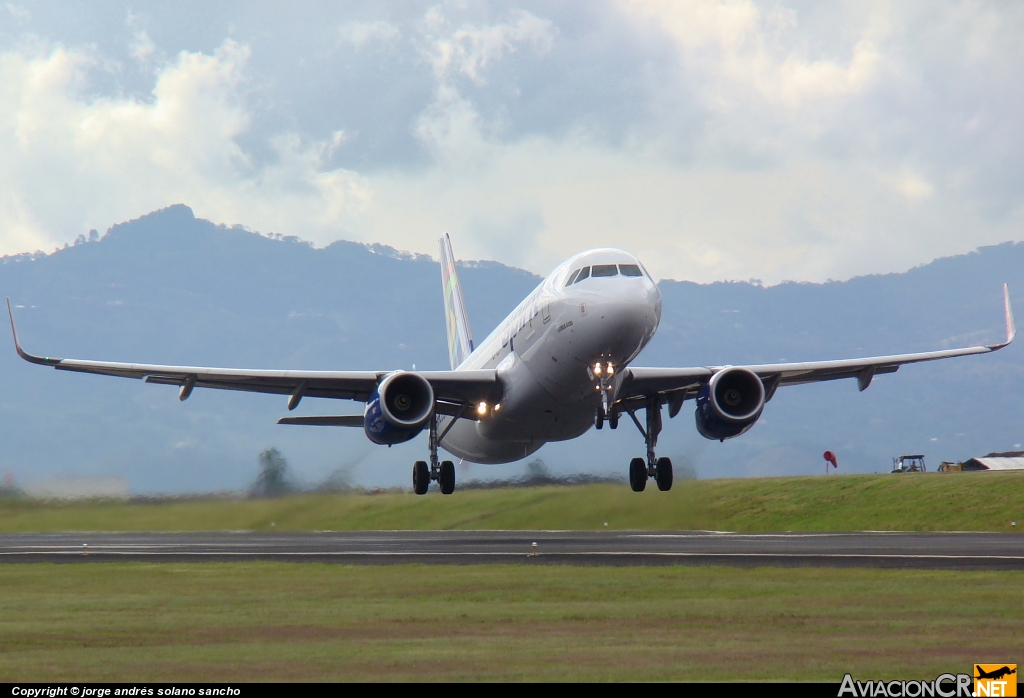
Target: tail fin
point(460, 338)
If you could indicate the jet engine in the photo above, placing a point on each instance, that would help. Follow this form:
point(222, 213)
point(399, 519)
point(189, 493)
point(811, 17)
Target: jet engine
point(399, 408)
point(729, 404)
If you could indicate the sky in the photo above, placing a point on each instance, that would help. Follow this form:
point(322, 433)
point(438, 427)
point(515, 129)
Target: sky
point(731, 140)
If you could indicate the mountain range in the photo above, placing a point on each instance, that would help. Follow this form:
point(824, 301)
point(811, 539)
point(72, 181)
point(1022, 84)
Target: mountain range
point(171, 288)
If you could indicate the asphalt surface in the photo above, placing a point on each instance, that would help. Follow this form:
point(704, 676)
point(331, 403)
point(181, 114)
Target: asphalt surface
point(996, 551)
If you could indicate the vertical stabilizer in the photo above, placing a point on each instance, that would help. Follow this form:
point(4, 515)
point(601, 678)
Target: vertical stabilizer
point(460, 338)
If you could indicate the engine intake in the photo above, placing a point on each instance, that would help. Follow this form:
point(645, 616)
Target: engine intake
point(398, 409)
point(729, 404)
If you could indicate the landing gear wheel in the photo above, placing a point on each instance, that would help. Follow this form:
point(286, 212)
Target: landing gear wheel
point(599, 422)
point(447, 477)
point(638, 474)
point(664, 474)
point(420, 477)
point(613, 420)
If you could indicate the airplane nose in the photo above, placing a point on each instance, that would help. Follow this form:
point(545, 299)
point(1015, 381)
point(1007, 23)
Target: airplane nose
point(628, 321)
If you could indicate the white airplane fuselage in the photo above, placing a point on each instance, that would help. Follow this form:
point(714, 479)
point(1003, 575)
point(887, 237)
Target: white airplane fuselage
point(545, 352)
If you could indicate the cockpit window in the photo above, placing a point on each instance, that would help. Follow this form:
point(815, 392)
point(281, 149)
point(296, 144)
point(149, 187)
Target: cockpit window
point(584, 273)
point(630, 270)
point(605, 270)
point(572, 278)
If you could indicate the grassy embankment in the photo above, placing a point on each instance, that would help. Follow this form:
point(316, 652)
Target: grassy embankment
point(931, 502)
point(279, 621)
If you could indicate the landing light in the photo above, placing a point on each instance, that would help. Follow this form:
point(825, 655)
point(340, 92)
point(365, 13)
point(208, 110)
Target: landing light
point(497, 407)
point(481, 409)
point(611, 369)
point(597, 369)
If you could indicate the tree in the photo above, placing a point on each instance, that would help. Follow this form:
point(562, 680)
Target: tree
point(273, 480)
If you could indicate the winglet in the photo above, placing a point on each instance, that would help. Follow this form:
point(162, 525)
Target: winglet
point(1011, 328)
point(45, 361)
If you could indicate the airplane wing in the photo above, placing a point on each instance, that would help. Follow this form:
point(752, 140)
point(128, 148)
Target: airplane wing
point(452, 389)
point(675, 385)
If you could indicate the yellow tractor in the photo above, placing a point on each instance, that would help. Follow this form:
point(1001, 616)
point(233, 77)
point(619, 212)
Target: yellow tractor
point(909, 464)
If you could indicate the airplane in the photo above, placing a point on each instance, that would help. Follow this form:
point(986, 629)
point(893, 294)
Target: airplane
point(996, 674)
point(557, 366)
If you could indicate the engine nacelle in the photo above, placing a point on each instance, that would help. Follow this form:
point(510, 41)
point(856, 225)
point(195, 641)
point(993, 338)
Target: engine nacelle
point(398, 409)
point(729, 404)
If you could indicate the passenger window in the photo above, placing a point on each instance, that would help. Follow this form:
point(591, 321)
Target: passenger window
point(572, 278)
point(630, 270)
point(584, 273)
point(605, 270)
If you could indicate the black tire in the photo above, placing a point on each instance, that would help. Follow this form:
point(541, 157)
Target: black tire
point(613, 420)
point(664, 475)
point(447, 477)
point(638, 474)
point(599, 421)
point(420, 477)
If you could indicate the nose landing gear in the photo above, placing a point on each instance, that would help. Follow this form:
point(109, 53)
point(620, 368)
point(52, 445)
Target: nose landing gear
point(612, 416)
point(658, 468)
point(443, 472)
point(604, 374)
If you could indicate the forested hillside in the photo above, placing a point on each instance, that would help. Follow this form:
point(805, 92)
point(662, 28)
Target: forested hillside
point(169, 288)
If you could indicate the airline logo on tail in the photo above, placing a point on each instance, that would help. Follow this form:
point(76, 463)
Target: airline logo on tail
point(460, 339)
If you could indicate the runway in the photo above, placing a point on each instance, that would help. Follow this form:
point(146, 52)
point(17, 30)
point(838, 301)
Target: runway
point(975, 551)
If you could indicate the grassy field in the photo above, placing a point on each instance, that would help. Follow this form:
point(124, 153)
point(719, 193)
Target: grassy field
point(270, 621)
point(931, 502)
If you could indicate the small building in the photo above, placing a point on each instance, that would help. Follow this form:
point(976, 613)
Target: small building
point(1011, 460)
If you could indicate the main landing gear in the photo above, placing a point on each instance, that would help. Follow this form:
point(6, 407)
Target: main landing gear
point(658, 468)
point(443, 472)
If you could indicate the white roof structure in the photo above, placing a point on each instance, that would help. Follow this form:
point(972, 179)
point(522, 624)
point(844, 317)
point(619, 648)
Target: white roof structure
point(997, 463)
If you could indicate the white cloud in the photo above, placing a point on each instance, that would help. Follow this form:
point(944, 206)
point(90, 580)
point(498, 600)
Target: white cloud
point(911, 185)
point(450, 128)
point(737, 43)
point(141, 47)
point(806, 220)
point(470, 49)
point(361, 34)
point(717, 140)
point(74, 161)
point(19, 12)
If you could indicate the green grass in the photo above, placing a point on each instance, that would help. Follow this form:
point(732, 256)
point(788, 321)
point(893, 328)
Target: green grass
point(932, 502)
point(279, 621)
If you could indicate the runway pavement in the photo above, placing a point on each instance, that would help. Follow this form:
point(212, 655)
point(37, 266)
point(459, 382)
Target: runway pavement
point(995, 551)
